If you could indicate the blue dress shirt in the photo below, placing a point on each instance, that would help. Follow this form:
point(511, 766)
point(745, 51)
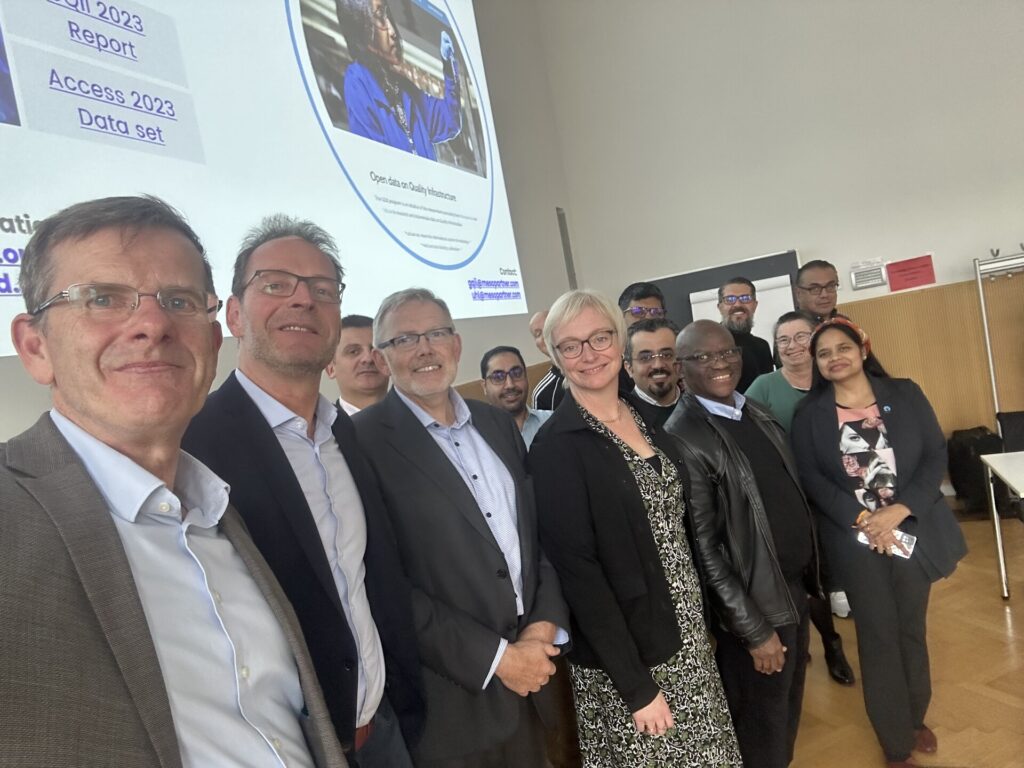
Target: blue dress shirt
point(229, 672)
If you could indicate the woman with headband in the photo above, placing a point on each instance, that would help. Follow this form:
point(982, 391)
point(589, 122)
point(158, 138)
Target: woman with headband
point(871, 458)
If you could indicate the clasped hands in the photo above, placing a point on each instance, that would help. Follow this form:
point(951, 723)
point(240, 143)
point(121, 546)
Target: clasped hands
point(880, 526)
point(526, 665)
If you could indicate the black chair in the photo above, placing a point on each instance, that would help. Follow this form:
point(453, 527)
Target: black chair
point(1011, 424)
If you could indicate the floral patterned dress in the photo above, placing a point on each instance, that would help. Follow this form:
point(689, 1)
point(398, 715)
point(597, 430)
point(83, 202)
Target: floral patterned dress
point(703, 736)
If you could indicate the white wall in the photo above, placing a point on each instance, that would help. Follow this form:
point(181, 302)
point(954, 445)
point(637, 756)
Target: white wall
point(696, 132)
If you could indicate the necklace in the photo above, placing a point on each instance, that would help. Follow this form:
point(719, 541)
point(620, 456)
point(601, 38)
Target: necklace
point(618, 415)
point(394, 95)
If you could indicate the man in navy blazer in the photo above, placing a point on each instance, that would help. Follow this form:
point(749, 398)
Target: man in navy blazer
point(305, 491)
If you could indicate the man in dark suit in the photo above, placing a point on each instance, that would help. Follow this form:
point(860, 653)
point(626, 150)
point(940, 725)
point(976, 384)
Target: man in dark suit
point(488, 610)
point(140, 625)
point(305, 491)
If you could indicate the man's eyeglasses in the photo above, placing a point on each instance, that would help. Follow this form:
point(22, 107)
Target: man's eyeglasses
point(704, 359)
point(407, 341)
point(598, 342)
point(743, 298)
point(516, 373)
point(816, 289)
point(668, 356)
point(112, 302)
point(281, 284)
point(800, 339)
point(642, 312)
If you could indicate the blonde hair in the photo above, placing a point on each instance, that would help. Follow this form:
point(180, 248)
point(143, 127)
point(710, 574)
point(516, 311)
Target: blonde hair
point(571, 304)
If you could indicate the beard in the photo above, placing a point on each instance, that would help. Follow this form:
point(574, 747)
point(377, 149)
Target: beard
point(739, 323)
point(658, 389)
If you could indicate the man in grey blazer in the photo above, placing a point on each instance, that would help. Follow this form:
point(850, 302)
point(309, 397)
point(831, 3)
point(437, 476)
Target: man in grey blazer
point(488, 610)
point(140, 626)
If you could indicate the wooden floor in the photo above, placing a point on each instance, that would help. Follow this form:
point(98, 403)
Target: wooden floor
point(976, 640)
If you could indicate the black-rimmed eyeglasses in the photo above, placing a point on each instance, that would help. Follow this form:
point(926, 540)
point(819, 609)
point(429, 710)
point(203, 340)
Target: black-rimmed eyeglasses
point(816, 289)
point(407, 341)
point(598, 341)
point(642, 312)
point(730, 355)
point(281, 284)
point(112, 301)
point(516, 373)
point(743, 298)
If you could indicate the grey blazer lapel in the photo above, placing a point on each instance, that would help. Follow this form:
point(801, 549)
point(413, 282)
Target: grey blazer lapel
point(410, 439)
point(55, 477)
point(320, 737)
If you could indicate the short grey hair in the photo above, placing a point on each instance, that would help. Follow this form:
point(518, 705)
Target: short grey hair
point(400, 298)
point(274, 227)
point(570, 305)
point(131, 215)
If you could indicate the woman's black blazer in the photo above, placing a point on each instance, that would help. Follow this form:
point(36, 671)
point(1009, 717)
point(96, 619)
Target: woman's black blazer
point(594, 529)
point(920, 450)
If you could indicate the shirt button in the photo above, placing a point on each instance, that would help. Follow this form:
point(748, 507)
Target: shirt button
point(165, 507)
point(244, 672)
point(474, 477)
point(277, 743)
point(488, 514)
point(456, 445)
point(216, 597)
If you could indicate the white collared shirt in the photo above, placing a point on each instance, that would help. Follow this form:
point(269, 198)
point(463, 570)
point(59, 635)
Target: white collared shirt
point(535, 419)
point(337, 509)
point(347, 407)
point(492, 486)
point(228, 669)
point(734, 411)
point(648, 399)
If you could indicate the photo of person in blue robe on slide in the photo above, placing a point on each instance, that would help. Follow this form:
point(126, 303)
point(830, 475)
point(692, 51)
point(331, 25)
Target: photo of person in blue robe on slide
point(383, 103)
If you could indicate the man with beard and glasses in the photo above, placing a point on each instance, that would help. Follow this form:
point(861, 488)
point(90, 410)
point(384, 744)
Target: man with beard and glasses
point(360, 382)
point(650, 358)
point(503, 376)
point(737, 301)
point(306, 492)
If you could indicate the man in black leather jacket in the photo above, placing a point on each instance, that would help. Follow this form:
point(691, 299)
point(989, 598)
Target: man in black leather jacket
point(755, 542)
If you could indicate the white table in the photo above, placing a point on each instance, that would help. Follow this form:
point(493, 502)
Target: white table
point(1008, 467)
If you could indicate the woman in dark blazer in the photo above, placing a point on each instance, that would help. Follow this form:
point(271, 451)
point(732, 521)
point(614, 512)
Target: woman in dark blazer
point(871, 457)
point(610, 499)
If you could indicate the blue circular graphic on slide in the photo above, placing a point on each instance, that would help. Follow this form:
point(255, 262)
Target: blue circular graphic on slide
point(312, 93)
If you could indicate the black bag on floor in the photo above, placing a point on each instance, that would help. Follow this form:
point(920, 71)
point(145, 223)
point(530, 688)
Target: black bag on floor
point(967, 473)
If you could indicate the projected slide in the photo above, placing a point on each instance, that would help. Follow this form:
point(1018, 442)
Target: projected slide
point(370, 117)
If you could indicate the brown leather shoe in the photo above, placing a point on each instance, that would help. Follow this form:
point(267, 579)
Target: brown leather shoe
point(925, 740)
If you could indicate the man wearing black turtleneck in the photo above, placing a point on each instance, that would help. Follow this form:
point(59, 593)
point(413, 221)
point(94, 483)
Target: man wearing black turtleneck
point(737, 301)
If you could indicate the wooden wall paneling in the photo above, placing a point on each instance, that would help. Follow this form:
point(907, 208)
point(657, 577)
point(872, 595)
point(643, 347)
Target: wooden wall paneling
point(1004, 297)
point(935, 337)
